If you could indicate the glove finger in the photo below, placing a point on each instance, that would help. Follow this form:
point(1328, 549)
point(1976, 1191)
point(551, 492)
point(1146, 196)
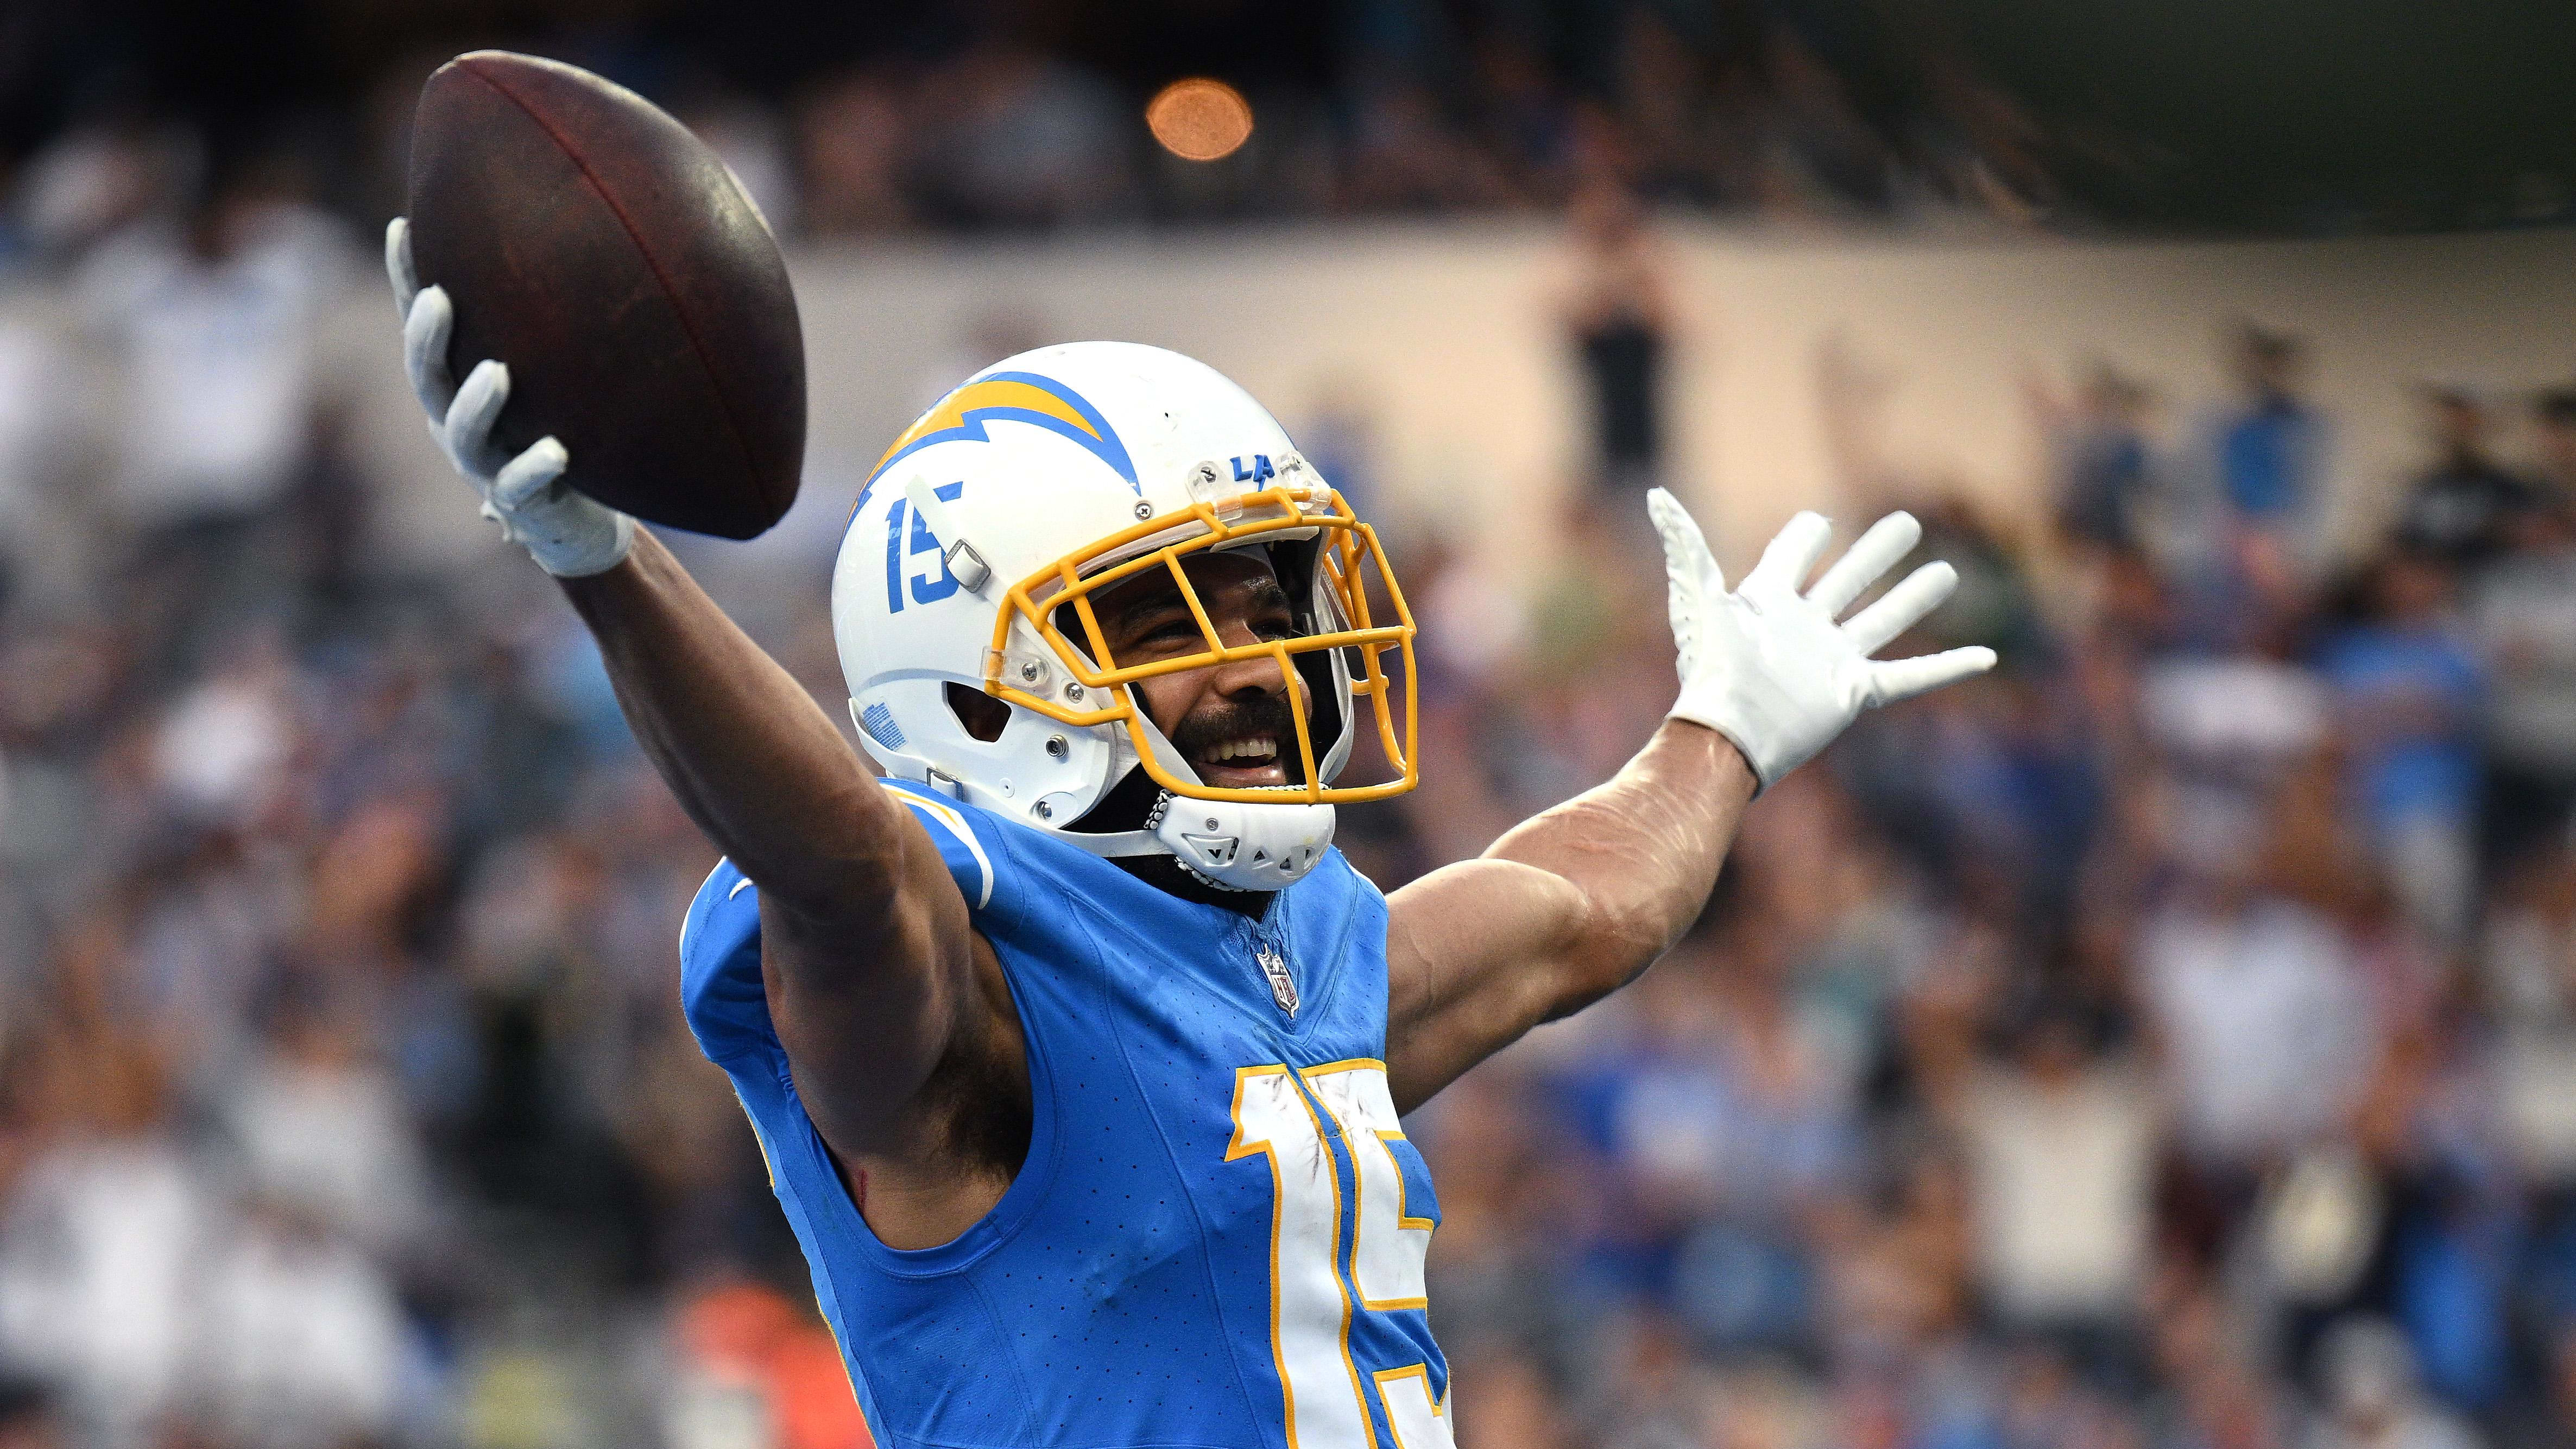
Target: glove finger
point(1902, 607)
point(470, 418)
point(1786, 562)
point(425, 332)
point(398, 268)
point(1899, 679)
point(527, 475)
point(1689, 566)
point(1686, 553)
point(1889, 539)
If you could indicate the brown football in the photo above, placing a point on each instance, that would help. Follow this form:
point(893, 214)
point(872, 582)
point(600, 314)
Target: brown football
point(592, 243)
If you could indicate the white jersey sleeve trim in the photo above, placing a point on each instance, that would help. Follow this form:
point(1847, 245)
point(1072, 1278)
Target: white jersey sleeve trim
point(947, 815)
point(691, 918)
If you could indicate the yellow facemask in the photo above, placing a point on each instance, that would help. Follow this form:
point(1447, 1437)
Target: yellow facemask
point(1350, 552)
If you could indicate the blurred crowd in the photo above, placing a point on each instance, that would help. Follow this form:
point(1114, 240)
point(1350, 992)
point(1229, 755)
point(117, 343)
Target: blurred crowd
point(2167, 1042)
point(973, 116)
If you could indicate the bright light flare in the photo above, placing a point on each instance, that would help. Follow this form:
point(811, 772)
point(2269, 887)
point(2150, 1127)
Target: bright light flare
point(1199, 119)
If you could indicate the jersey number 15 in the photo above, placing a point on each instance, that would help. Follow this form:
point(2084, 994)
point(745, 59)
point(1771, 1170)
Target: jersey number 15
point(1314, 1287)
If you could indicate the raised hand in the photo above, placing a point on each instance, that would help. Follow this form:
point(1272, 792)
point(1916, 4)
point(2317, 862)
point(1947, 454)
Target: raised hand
point(1768, 666)
point(569, 535)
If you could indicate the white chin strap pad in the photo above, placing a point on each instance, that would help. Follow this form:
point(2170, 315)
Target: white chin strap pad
point(1244, 847)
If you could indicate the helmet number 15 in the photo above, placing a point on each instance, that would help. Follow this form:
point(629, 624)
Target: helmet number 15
point(925, 588)
point(1281, 1115)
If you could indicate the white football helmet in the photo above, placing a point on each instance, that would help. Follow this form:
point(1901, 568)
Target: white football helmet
point(971, 560)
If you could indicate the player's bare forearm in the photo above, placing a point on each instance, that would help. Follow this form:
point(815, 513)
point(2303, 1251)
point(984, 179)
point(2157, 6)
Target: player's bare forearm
point(1643, 850)
point(1564, 909)
point(753, 760)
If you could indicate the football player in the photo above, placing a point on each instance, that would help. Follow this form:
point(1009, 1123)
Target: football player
point(1079, 1057)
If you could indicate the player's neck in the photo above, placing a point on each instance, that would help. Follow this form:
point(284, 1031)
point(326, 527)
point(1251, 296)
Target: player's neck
point(1166, 875)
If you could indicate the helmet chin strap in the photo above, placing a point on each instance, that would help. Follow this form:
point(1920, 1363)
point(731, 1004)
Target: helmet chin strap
point(1237, 846)
point(1232, 845)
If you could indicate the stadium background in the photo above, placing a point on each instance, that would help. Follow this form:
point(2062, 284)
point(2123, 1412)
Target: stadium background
point(2168, 1042)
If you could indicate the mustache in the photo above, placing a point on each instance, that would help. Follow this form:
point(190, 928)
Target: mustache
point(1268, 714)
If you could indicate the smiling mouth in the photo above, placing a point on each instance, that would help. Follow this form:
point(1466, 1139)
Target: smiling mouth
point(1253, 759)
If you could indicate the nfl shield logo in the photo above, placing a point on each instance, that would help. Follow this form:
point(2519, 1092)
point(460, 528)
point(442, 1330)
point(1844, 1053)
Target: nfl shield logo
point(1283, 987)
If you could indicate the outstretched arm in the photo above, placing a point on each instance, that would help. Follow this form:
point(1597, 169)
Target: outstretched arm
point(1566, 908)
point(868, 956)
point(865, 947)
point(1576, 902)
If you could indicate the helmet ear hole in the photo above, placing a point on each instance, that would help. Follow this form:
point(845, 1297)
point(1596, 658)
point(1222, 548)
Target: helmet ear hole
point(983, 716)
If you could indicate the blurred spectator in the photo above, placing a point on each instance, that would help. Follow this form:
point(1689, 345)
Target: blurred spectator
point(2463, 508)
point(2409, 692)
point(2226, 731)
point(2256, 1000)
point(300, 1338)
point(2521, 611)
point(104, 1233)
point(2271, 457)
point(1727, 1115)
point(2218, 1389)
point(220, 756)
point(1659, 1393)
point(2105, 480)
point(325, 1136)
point(2061, 1147)
point(214, 324)
point(2528, 951)
point(1619, 317)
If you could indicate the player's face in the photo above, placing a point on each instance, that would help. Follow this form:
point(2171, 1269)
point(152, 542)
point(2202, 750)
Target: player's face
point(1231, 721)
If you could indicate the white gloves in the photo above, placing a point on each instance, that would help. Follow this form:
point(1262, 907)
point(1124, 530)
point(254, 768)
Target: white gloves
point(570, 536)
point(1767, 666)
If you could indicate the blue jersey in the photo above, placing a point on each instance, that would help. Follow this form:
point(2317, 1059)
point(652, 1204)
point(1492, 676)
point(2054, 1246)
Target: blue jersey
point(1217, 1236)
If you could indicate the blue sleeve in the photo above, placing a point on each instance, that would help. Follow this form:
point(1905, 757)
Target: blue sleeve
point(720, 986)
point(728, 1010)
